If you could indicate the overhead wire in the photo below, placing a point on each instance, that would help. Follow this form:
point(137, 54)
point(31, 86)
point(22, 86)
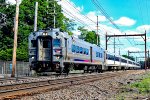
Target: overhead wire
point(85, 16)
point(74, 17)
point(139, 5)
point(98, 5)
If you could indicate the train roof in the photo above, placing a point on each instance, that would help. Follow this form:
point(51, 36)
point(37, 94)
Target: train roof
point(86, 43)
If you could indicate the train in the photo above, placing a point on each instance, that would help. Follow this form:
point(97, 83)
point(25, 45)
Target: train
point(51, 50)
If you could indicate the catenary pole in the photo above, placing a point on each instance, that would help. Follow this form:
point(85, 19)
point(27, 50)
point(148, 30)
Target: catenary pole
point(97, 32)
point(54, 15)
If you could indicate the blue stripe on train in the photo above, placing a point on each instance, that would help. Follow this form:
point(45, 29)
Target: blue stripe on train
point(78, 60)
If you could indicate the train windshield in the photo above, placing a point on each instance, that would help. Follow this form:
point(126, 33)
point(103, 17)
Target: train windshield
point(56, 43)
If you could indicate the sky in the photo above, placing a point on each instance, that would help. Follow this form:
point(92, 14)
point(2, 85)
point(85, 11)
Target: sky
point(131, 16)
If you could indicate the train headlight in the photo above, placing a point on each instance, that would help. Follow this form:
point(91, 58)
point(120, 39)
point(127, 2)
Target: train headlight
point(32, 57)
point(57, 57)
point(45, 33)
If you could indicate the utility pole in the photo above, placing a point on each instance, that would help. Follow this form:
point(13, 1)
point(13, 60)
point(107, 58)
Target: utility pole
point(145, 51)
point(35, 16)
point(148, 59)
point(114, 49)
point(106, 41)
point(97, 31)
point(54, 15)
point(128, 53)
point(54, 12)
point(15, 40)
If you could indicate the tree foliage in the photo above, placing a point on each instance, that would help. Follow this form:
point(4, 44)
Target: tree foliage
point(89, 36)
point(26, 24)
point(129, 57)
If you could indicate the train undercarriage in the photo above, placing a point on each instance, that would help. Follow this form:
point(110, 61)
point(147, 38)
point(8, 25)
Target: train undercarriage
point(40, 67)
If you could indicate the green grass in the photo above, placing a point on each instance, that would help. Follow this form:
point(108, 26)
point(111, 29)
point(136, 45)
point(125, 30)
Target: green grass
point(143, 86)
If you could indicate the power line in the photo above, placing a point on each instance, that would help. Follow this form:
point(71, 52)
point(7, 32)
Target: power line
point(98, 5)
point(82, 15)
point(76, 18)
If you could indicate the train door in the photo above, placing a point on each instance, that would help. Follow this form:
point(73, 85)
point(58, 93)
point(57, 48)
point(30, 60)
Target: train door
point(45, 49)
point(66, 51)
point(91, 54)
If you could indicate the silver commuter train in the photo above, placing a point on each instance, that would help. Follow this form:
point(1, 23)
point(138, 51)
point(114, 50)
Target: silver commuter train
point(56, 51)
point(114, 61)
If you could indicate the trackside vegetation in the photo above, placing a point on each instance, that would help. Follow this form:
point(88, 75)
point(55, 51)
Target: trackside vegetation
point(143, 86)
point(139, 89)
point(26, 24)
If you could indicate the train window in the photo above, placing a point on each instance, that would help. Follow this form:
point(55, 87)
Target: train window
point(77, 49)
point(96, 54)
point(33, 43)
point(87, 52)
point(84, 51)
point(56, 43)
point(81, 49)
point(46, 44)
point(107, 56)
point(116, 59)
point(111, 57)
point(130, 62)
point(123, 60)
point(100, 55)
point(73, 48)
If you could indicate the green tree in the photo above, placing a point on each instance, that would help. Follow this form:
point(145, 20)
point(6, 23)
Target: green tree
point(2, 2)
point(129, 57)
point(26, 24)
point(89, 36)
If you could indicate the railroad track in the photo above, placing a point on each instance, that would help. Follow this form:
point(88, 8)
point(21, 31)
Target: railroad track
point(29, 88)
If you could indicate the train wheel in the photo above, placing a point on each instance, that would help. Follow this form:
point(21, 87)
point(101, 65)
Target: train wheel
point(99, 69)
point(66, 69)
point(85, 69)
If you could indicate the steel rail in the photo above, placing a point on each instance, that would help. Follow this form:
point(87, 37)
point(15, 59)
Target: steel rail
point(12, 91)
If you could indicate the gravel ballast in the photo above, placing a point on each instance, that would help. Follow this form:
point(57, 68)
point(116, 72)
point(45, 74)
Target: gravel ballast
point(106, 89)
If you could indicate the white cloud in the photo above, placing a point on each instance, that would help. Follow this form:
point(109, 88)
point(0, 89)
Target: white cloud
point(93, 16)
point(88, 20)
point(125, 21)
point(132, 32)
point(132, 49)
point(76, 32)
point(74, 14)
point(143, 28)
point(11, 1)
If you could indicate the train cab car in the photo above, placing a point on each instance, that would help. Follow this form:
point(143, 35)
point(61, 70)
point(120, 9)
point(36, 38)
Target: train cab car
point(46, 50)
